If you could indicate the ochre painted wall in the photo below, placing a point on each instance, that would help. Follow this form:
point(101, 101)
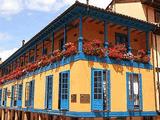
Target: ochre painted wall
point(80, 83)
point(136, 10)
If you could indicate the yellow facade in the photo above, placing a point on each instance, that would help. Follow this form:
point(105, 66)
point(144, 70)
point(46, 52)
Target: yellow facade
point(82, 85)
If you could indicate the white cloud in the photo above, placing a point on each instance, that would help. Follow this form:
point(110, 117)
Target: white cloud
point(5, 36)
point(4, 54)
point(12, 7)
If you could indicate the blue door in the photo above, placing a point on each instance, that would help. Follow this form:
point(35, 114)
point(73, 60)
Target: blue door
point(12, 96)
point(97, 89)
point(64, 90)
point(48, 96)
point(0, 97)
point(130, 100)
point(19, 99)
point(5, 97)
point(32, 93)
point(134, 91)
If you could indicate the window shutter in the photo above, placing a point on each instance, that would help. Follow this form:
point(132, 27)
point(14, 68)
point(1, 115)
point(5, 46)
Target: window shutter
point(140, 91)
point(109, 91)
point(0, 97)
point(32, 93)
point(12, 96)
point(46, 91)
point(129, 102)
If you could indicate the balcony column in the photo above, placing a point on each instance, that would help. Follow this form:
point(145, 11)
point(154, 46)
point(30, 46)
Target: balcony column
point(42, 47)
point(65, 36)
point(129, 39)
point(147, 43)
point(28, 56)
point(52, 38)
point(80, 38)
point(35, 53)
point(105, 34)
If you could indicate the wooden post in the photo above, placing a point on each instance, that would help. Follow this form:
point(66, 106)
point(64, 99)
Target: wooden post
point(16, 115)
point(3, 114)
point(25, 116)
point(9, 115)
point(39, 117)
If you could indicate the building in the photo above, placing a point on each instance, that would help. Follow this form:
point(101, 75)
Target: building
point(87, 63)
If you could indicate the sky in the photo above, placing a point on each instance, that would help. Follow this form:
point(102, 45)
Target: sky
point(22, 19)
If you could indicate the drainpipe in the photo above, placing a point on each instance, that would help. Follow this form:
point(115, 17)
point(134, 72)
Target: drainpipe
point(155, 93)
point(157, 71)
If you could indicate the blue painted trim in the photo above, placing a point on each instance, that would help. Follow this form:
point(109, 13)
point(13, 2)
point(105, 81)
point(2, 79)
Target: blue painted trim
point(140, 91)
point(66, 107)
point(99, 105)
point(147, 43)
point(82, 56)
point(52, 41)
point(130, 103)
point(80, 38)
point(47, 87)
point(129, 39)
point(106, 34)
point(0, 97)
point(86, 114)
point(64, 36)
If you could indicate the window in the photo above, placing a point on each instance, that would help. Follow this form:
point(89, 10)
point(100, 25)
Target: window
point(134, 91)
point(61, 44)
point(121, 39)
point(48, 92)
point(14, 95)
point(158, 16)
point(100, 89)
point(29, 94)
point(64, 90)
point(45, 51)
point(4, 102)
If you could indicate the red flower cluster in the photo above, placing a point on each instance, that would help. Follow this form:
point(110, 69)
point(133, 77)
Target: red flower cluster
point(71, 49)
point(142, 57)
point(56, 56)
point(94, 47)
point(117, 51)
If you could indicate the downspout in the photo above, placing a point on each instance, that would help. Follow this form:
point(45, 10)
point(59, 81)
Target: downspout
point(157, 71)
point(154, 77)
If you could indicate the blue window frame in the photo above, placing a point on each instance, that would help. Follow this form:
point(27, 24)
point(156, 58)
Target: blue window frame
point(16, 95)
point(0, 97)
point(12, 96)
point(64, 85)
point(29, 94)
point(134, 91)
point(4, 102)
point(100, 90)
point(19, 96)
point(121, 39)
point(48, 92)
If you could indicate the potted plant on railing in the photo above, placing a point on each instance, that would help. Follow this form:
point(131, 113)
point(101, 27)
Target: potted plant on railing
point(128, 56)
point(44, 61)
point(70, 49)
point(142, 57)
point(95, 48)
point(56, 56)
point(117, 51)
